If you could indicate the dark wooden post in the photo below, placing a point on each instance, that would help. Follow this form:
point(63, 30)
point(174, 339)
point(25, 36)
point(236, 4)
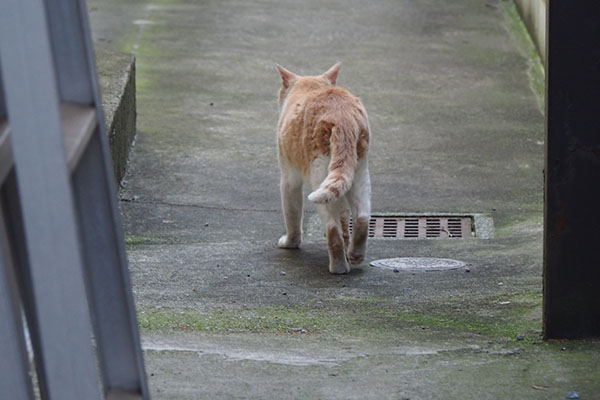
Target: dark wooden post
point(572, 174)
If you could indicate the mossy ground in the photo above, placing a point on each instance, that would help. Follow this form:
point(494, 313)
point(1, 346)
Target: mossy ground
point(536, 70)
point(133, 240)
point(488, 316)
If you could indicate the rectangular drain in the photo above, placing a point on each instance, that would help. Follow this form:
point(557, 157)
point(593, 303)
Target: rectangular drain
point(419, 227)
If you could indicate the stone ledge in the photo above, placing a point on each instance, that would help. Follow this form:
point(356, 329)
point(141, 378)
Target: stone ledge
point(116, 74)
point(533, 13)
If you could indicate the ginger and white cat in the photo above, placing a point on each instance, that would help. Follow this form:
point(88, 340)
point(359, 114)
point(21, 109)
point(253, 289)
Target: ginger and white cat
point(323, 137)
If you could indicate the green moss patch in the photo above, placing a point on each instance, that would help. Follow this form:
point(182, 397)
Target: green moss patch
point(360, 316)
point(133, 240)
point(267, 319)
point(536, 71)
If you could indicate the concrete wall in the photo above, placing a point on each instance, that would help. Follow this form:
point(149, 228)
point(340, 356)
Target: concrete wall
point(533, 13)
point(116, 73)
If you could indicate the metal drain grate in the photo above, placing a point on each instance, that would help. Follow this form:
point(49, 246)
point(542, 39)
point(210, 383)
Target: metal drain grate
point(419, 227)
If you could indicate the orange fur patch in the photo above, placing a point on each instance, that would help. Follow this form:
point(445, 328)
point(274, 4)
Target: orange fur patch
point(361, 231)
point(345, 231)
point(335, 243)
point(320, 119)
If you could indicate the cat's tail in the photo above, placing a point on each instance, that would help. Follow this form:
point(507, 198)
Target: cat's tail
point(342, 165)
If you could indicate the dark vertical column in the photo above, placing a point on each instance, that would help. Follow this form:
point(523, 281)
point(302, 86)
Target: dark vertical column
point(572, 187)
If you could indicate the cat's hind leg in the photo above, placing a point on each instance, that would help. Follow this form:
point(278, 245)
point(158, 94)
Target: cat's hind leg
point(332, 215)
point(291, 199)
point(344, 221)
point(359, 197)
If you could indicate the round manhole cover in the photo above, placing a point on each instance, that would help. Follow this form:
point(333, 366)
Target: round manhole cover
point(418, 264)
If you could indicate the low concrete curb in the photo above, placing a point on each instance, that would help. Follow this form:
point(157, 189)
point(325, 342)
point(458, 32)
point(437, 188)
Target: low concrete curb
point(116, 72)
point(533, 13)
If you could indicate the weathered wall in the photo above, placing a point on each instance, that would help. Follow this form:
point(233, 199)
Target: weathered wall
point(116, 72)
point(533, 13)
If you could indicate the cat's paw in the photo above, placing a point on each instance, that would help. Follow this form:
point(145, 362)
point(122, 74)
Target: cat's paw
point(355, 258)
point(356, 254)
point(285, 243)
point(339, 268)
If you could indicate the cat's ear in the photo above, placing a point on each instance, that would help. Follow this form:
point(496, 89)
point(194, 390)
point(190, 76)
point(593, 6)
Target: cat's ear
point(286, 76)
point(332, 73)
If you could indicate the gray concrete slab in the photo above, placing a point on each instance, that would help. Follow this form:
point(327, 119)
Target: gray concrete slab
point(456, 128)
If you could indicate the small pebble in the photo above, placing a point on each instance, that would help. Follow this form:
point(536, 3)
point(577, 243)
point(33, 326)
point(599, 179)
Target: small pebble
point(284, 293)
point(206, 224)
point(298, 330)
point(282, 273)
point(573, 395)
point(467, 269)
point(396, 270)
point(563, 348)
point(520, 336)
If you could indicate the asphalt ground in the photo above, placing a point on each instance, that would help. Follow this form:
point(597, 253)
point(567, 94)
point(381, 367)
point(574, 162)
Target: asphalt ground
point(450, 88)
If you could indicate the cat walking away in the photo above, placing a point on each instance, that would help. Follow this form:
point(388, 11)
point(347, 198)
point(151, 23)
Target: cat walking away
point(323, 138)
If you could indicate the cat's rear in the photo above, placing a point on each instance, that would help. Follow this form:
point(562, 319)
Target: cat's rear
point(323, 136)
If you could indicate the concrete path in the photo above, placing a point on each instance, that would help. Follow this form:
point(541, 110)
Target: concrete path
point(456, 129)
